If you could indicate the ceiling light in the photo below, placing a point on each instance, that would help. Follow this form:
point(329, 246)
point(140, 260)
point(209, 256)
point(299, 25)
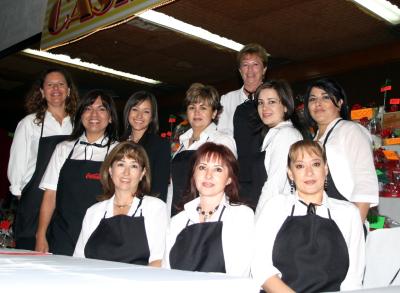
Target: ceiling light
point(64, 59)
point(382, 8)
point(183, 27)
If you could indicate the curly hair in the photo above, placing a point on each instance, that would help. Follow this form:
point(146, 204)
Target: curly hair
point(34, 102)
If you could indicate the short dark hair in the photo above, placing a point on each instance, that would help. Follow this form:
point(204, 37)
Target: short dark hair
point(130, 150)
point(136, 99)
point(221, 152)
point(111, 132)
point(208, 94)
point(253, 49)
point(335, 92)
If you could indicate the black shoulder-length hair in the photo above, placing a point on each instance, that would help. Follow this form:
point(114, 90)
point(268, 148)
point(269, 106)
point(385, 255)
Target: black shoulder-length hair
point(135, 99)
point(111, 132)
point(335, 93)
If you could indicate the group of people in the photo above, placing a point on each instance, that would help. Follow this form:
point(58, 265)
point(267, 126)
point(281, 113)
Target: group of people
point(247, 193)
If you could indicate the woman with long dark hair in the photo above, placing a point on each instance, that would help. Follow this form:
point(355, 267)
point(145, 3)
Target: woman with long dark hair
point(348, 145)
point(71, 181)
point(141, 126)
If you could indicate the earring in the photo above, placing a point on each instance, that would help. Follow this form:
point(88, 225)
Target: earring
point(292, 186)
point(326, 184)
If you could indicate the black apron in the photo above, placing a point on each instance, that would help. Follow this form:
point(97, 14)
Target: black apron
point(248, 143)
point(331, 190)
point(259, 175)
point(311, 253)
point(27, 217)
point(120, 238)
point(77, 189)
point(198, 248)
point(180, 171)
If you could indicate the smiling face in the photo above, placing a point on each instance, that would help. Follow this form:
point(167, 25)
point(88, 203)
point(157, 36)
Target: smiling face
point(126, 175)
point(200, 115)
point(308, 171)
point(211, 176)
point(95, 119)
point(252, 71)
point(55, 89)
point(270, 108)
point(321, 108)
point(140, 116)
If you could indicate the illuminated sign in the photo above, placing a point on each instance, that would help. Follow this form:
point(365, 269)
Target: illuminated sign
point(71, 20)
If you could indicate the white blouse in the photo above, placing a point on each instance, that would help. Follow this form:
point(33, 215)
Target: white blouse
point(350, 161)
point(155, 220)
point(276, 146)
point(81, 152)
point(275, 212)
point(237, 234)
point(24, 148)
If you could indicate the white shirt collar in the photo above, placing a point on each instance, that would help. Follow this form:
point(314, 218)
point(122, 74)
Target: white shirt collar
point(324, 202)
point(330, 125)
point(184, 138)
point(102, 140)
point(243, 96)
point(110, 207)
point(66, 118)
point(273, 131)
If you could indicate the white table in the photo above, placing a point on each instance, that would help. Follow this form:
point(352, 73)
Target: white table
point(55, 273)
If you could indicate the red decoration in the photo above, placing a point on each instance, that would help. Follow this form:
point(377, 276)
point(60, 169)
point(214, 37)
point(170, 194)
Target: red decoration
point(5, 225)
point(163, 135)
point(386, 88)
point(169, 133)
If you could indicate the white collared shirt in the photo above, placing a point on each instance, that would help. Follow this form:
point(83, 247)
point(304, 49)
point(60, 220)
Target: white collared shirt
point(209, 134)
point(81, 152)
point(350, 161)
point(155, 220)
point(237, 234)
point(24, 148)
point(276, 146)
point(275, 212)
point(229, 102)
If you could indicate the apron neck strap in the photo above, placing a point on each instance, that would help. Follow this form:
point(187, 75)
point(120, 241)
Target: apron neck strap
point(72, 151)
point(41, 129)
point(220, 215)
point(140, 203)
point(330, 131)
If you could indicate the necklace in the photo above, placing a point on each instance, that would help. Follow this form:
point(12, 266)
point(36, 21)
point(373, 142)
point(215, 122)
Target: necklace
point(121, 206)
point(193, 140)
point(206, 214)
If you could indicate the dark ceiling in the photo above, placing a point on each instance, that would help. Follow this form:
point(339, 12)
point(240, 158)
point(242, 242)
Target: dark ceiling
point(306, 39)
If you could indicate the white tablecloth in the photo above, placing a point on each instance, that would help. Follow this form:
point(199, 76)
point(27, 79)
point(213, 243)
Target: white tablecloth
point(55, 273)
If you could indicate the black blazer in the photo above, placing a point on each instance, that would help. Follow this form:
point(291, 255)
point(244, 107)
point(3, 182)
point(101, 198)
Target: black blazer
point(159, 153)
